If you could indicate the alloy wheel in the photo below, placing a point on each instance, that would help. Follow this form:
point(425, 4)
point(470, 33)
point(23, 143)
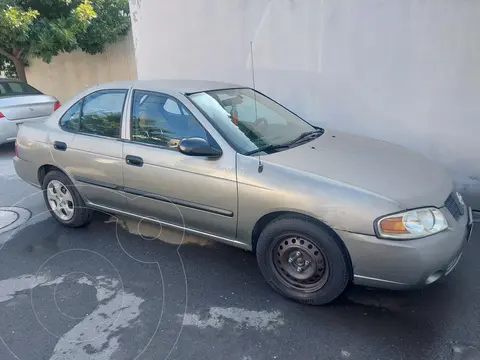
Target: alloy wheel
point(60, 200)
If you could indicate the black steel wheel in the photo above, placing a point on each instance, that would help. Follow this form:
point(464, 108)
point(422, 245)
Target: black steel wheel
point(300, 263)
point(303, 260)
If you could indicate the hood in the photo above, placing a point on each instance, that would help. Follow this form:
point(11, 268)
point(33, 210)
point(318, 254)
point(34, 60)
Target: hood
point(389, 170)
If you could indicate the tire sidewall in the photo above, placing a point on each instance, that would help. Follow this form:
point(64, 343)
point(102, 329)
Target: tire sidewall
point(334, 251)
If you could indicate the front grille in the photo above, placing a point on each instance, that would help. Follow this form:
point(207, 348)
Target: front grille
point(454, 206)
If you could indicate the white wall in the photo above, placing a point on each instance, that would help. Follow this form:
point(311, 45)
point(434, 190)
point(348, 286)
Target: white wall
point(406, 71)
point(70, 73)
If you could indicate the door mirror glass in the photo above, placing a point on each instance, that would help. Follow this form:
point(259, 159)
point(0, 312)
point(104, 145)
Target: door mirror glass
point(195, 146)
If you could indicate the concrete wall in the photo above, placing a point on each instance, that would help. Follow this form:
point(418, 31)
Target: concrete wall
point(405, 71)
point(69, 73)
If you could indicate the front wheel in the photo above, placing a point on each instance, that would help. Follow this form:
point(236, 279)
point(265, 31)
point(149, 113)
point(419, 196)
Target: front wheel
point(303, 260)
point(63, 200)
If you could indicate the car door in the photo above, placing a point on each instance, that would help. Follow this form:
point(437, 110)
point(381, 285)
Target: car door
point(89, 147)
point(197, 192)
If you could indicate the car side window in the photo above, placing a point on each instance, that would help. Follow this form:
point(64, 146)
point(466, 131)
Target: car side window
point(16, 87)
point(70, 121)
point(102, 113)
point(158, 119)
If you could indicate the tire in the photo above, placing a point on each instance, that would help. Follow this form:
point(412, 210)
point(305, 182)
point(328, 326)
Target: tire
point(327, 273)
point(81, 216)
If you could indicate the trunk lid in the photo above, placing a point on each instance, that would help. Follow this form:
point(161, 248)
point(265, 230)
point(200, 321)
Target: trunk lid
point(27, 107)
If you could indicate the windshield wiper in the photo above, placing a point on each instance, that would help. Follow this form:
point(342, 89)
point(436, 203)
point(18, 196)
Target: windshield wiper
point(316, 132)
point(305, 135)
point(267, 148)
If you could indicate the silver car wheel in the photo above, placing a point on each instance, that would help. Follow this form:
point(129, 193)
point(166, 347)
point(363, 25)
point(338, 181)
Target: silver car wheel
point(60, 200)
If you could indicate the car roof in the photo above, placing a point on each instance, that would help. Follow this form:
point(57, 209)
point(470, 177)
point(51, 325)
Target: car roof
point(180, 86)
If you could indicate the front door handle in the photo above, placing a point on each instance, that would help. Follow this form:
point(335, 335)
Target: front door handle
point(134, 160)
point(60, 145)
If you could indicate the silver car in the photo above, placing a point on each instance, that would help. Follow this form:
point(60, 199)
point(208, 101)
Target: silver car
point(21, 103)
point(319, 208)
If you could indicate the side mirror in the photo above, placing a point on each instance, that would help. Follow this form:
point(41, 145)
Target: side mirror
point(198, 147)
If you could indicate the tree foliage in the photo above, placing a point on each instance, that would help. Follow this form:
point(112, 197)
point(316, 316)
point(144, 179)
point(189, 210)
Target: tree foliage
point(7, 68)
point(45, 28)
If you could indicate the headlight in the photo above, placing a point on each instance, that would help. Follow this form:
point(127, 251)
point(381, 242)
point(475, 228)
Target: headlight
point(411, 224)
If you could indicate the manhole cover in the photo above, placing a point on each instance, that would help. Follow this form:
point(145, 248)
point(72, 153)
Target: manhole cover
point(12, 217)
point(7, 217)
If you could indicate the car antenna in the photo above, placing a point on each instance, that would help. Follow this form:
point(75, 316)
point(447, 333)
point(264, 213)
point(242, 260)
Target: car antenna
point(260, 164)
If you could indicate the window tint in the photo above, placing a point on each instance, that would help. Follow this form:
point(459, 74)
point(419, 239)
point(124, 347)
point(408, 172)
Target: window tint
point(15, 88)
point(99, 113)
point(71, 119)
point(160, 120)
point(102, 113)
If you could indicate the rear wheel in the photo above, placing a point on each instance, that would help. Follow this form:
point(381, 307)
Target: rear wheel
point(303, 260)
point(63, 200)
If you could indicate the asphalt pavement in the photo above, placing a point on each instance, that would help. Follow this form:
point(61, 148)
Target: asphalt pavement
point(114, 291)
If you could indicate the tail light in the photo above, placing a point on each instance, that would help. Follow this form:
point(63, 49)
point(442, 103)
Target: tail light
point(57, 105)
point(1, 115)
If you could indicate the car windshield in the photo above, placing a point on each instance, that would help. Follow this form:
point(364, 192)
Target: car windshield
point(16, 88)
point(250, 121)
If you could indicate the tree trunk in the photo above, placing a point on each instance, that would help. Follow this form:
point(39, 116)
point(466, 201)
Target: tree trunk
point(20, 68)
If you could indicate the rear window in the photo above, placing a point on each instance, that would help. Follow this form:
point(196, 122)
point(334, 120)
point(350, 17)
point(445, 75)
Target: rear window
point(16, 88)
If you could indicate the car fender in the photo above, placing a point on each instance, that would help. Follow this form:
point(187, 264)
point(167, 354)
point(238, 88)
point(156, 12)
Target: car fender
point(281, 189)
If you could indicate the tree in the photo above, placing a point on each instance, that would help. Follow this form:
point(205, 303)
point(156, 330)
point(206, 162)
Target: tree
point(45, 28)
point(7, 68)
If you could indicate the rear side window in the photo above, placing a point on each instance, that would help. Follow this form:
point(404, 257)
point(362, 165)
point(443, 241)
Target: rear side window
point(71, 119)
point(16, 88)
point(99, 113)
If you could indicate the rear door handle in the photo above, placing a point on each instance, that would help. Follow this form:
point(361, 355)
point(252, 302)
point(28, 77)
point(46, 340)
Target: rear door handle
point(60, 145)
point(134, 160)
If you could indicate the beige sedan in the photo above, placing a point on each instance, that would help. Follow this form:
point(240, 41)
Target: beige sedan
point(319, 208)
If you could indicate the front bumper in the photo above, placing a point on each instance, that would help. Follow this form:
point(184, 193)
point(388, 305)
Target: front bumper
point(406, 264)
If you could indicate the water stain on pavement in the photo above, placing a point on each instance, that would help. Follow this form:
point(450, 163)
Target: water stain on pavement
point(96, 336)
point(9, 288)
point(217, 317)
point(150, 231)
